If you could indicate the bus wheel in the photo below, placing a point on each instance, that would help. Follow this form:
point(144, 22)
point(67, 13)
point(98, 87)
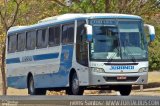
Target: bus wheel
point(74, 88)
point(34, 91)
point(125, 90)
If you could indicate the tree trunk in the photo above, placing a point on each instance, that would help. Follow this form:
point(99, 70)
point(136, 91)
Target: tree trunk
point(107, 6)
point(4, 91)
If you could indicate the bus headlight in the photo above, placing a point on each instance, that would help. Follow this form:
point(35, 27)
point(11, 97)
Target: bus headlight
point(143, 69)
point(98, 70)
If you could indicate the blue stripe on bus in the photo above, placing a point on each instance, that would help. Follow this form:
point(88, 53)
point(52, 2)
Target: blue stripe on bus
point(12, 60)
point(61, 78)
point(45, 56)
point(35, 58)
point(17, 82)
point(49, 80)
point(41, 81)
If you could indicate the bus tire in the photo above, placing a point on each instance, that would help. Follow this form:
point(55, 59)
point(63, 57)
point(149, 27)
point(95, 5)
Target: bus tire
point(32, 90)
point(74, 88)
point(125, 90)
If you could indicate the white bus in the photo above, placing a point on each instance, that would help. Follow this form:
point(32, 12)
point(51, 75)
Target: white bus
point(75, 52)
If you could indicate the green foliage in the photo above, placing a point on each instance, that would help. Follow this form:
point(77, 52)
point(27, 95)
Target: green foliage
point(85, 6)
point(154, 52)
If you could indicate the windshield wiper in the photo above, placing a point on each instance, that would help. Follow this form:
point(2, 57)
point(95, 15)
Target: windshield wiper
point(113, 55)
point(132, 57)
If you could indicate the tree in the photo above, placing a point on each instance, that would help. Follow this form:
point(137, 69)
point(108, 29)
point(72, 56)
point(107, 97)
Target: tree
point(8, 15)
point(107, 6)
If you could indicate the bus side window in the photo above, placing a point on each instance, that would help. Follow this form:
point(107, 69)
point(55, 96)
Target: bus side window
point(21, 42)
point(31, 40)
point(57, 35)
point(68, 34)
point(54, 36)
point(64, 35)
point(42, 38)
point(12, 43)
point(81, 45)
point(51, 36)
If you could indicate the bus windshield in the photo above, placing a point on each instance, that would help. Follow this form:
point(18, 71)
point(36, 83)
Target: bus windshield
point(121, 40)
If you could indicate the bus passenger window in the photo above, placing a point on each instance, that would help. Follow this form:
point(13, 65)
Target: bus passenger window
point(31, 40)
point(42, 38)
point(70, 30)
point(51, 36)
point(68, 34)
point(12, 43)
point(54, 36)
point(57, 35)
point(21, 42)
point(64, 35)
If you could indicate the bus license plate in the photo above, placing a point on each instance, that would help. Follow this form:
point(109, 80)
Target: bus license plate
point(121, 78)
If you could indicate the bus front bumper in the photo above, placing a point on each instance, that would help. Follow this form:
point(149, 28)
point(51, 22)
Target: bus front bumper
point(118, 79)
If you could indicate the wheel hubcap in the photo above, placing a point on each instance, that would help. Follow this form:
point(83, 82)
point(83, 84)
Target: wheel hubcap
point(32, 86)
point(75, 85)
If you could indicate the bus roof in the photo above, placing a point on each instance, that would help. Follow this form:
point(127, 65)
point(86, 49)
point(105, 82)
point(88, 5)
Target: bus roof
point(68, 17)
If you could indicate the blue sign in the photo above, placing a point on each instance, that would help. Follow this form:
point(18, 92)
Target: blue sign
point(122, 68)
point(103, 22)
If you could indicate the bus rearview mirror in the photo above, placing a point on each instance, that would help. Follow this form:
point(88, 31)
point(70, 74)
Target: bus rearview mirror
point(151, 31)
point(89, 30)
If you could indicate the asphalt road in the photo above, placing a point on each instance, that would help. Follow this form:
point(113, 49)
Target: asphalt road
point(79, 100)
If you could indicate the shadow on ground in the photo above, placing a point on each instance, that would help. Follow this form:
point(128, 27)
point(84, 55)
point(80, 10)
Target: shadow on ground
point(147, 86)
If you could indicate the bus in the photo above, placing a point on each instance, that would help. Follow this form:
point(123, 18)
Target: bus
point(77, 52)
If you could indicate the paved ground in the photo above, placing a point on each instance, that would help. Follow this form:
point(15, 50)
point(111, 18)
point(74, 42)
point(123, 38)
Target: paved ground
point(79, 100)
point(152, 89)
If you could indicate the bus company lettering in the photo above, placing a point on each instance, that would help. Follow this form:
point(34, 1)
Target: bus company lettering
point(122, 68)
point(103, 21)
point(27, 58)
